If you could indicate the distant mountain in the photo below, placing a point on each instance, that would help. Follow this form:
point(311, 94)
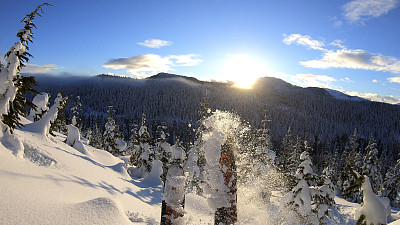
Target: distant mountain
point(176, 100)
point(173, 76)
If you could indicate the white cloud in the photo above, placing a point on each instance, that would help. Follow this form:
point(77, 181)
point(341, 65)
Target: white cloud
point(374, 97)
point(154, 43)
point(358, 11)
point(374, 81)
point(32, 68)
point(186, 60)
point(303, 40)
point(150, 64)
point(307, 80)
point(338, 43)
point(355, 59)
point(394, 79)
point(346, 79)
point(311, 80)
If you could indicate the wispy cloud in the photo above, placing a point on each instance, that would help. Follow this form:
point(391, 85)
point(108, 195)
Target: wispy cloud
point(304, 40)
point(307, 80)
point(359, 11)
point(324, 81)
point(343, 57)
point(374, 97)
point(32, 68)
point(150, 64)
point(185, 60)
point(155, 43)
point(376, 81)
point(355, 59)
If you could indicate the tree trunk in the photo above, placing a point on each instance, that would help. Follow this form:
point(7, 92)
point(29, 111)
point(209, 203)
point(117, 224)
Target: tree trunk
point(228, 215)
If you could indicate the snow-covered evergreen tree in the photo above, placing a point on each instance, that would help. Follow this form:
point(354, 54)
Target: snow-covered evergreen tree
point(110, 133)
point(41, 102)
point(391, 185)
point(371, 166)
point(144, 150)
point(323, 197)
point(299, 199)
point(76, 111)
point(133, 145)
point(350, 187)
point(192, 171)
point(59, 124)
point(163, 149)
point(174, 188)
point(13, 86)
point(96, 139)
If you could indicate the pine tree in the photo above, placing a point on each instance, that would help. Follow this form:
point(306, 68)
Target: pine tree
point(133, 145)
point(60, 124)
point(323, 196)
point(144, 151)
point(109, 136)
point(352, 165)
point(14, 86)
point(96, 139)
point(391, 185)
point(76, 111)
point(299, 199)
point(174, 187)
point(371, 166)
point(163, 152)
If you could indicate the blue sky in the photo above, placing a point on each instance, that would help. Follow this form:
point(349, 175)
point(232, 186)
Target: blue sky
point(351, 46)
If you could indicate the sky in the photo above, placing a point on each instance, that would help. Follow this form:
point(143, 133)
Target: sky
point(351, 46)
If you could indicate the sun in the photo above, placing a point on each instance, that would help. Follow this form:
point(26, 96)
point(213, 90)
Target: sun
point(241, 70)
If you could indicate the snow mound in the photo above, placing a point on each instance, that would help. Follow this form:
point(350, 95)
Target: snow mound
point(97, 211)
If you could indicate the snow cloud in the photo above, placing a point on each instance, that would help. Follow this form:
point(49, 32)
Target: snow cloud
point(304, 40)
point(355, 59)
point(150, 64)
point(154, 43)
point(32, 68)
point(359, 11)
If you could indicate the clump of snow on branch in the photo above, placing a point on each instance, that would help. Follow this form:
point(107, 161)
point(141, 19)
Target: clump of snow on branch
point(41, 101)
point(73, 139)
point(42, 126)
point(153, 178)
point(373, 209)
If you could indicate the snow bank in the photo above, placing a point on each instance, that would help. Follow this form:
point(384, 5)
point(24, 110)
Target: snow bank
point(54, 184)
point(11, 142)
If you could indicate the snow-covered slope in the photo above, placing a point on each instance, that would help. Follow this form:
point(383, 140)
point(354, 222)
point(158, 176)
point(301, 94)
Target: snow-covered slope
point(56, 184)
point(343, 96)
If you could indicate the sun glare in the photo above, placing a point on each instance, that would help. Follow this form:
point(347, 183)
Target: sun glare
point(241, 70)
